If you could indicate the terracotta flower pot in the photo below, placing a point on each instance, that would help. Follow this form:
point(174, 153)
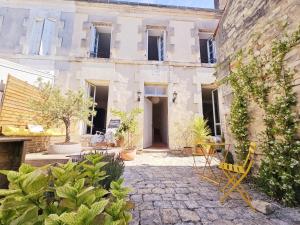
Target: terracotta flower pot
point(200, 150)
point(187, 150)
point(128, 155)
point(64, 148)
point(120, 142)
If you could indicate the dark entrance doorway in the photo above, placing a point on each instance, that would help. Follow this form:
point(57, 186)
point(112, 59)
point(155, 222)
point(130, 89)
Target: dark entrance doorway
point(100, 96)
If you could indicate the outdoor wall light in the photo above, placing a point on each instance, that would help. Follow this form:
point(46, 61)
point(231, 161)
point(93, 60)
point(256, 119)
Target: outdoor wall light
point(139, 96)
point(174, 96)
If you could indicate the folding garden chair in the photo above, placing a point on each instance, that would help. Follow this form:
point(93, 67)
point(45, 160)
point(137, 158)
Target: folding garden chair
point(209, 152)
point(236, 174)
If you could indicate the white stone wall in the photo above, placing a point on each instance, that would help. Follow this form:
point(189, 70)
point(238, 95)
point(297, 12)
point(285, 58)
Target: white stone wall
point(127, 70)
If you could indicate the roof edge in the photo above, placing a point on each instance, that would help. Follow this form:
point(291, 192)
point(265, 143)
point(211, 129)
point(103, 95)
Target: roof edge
point(153, 5)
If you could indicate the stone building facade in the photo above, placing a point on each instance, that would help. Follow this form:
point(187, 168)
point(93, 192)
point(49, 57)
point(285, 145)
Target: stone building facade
point(241, 21)
point(125, 56)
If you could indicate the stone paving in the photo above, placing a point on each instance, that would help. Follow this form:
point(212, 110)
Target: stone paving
point(166, 190)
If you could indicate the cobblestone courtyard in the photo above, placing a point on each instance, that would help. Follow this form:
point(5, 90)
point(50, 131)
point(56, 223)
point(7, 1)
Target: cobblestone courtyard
point(166, 190)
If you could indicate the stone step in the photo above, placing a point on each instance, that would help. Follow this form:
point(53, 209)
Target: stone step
point(42, 158)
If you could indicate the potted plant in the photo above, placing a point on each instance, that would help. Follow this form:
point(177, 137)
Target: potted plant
point(54, 108)
point(201, 133)
point(119, 138)
point(128, 132)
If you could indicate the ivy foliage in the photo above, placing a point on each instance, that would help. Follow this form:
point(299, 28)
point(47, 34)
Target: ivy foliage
point(65, 194)
point(264, 79)
point(239, 117)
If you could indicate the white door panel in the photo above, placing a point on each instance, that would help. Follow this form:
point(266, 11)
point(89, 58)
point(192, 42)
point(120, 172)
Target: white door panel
point(148, 123)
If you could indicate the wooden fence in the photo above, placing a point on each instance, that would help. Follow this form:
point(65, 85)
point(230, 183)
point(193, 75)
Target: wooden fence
point(16, 109)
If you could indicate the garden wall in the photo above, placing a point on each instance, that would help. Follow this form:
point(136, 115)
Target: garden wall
point(243, 20)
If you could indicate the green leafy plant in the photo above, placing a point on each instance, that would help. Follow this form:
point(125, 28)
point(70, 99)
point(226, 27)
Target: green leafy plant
point(200, 130)
point(114, 167)
point(264, 79)
point(64, 194)
point(128, 127)
point(55, 108)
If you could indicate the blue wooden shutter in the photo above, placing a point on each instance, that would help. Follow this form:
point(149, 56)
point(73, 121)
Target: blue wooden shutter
point(92, 41)
point(36, 35)
point(47, 37)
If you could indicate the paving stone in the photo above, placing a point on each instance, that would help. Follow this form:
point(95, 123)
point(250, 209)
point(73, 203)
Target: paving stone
point(152, 197)
point(166, 197)
point(150, 217)
point(182, 190)
point(136, 198)
point(187, 223)
point(169, 191)
point(223, 222)
point(158, 191)
point(144, 191)
point(191, 204)
point(178, 204)
point(188, 215)
point(145, 205)
point(162, 204)
point(169, 216)
point(182, 197)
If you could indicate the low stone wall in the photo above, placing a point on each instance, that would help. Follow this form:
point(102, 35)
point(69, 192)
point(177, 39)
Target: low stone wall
point(41, 143)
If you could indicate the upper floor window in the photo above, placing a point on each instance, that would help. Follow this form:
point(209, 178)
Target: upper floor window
point(156, 47)
point(207, 51)
point(100, 41)
point(42, 35)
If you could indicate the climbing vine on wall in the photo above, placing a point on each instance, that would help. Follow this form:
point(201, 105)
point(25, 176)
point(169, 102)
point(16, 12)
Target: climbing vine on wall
point(263, 77)
point(239, 116)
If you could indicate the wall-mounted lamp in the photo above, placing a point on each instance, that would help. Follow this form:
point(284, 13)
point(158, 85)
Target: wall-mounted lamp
point(139, 96)
point(174, 96)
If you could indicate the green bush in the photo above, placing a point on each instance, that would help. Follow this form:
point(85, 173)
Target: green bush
point(65, 194)
point(114, 167)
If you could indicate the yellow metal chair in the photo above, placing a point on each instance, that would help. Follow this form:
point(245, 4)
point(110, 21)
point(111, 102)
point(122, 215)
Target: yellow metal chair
point(236, 174)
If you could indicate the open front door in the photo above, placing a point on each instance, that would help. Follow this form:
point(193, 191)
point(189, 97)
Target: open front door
point(148, 123)
point(215, 103)
point(91, 93)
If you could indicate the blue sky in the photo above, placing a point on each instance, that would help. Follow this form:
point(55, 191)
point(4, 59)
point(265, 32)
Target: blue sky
point(189, 3)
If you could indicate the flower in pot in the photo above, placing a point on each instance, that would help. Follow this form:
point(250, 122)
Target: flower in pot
point(201, 133)
point(54, 108)
point(128, 131)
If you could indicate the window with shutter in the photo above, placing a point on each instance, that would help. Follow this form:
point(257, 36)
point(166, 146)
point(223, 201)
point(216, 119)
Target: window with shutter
point(100, 42)
point(156, 44)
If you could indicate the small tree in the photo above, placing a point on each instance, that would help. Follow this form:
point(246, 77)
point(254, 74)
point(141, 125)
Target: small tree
point(54, 107)
point(129, 126)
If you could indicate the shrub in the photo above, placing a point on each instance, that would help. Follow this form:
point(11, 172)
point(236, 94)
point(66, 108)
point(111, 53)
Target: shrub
point(114, 167)
point(67, 194)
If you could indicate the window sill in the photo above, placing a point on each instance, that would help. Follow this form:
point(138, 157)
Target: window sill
point(209, 65)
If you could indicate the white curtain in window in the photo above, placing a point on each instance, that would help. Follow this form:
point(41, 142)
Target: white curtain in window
point(47, 36)
point(36, 35)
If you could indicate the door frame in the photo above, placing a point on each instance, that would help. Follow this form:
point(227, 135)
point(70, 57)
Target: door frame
point(145, 144)
point(89, 85)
